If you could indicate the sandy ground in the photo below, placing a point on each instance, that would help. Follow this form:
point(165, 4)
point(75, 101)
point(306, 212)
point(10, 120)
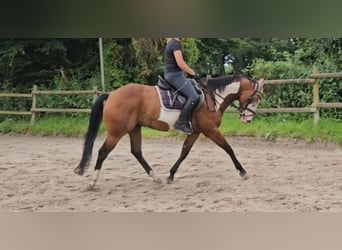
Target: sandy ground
point(36, 174)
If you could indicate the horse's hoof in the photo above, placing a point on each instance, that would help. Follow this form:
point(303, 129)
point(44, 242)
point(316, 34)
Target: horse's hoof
point(169, 180)
point(155, 178)
point(244, 176)
point(91, 187)
point(78, 171)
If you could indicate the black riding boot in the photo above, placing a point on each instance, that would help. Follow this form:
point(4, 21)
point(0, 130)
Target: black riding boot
point(183, 121)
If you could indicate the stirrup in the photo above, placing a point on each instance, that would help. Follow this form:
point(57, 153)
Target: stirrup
point(184, 128)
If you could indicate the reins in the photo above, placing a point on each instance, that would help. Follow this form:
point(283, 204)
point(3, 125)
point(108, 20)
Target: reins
point(210, 92)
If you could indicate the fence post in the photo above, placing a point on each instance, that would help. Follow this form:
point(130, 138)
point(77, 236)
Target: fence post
point(315, 92)
point(95, 93)
point(34, 104)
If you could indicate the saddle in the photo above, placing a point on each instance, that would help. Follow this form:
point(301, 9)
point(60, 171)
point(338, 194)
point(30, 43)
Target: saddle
point(170, 97)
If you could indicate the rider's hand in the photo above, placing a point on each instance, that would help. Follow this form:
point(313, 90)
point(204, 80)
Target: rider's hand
point(196, 77)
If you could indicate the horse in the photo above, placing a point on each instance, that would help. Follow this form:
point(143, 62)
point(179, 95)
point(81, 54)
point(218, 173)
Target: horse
point(127, 109)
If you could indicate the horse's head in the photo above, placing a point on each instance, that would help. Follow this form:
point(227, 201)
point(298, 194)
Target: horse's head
point(250, 97)
point(237, 87)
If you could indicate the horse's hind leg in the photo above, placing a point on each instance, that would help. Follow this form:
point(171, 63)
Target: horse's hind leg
point(135, 138)
point(217, 137)
point(187, 145)
point(106, 148)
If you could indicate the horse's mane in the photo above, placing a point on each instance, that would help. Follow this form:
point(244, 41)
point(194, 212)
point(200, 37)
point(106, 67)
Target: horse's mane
point(219, 83)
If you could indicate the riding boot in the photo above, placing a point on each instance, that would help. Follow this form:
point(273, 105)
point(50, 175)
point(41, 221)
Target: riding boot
point(183, 121)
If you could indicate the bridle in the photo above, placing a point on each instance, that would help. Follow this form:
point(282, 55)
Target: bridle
point(249, 101)
point(239, 108)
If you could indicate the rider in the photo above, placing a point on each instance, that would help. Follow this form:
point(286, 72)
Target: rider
point(175, 67)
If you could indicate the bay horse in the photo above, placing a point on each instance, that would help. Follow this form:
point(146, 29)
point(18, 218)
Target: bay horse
point(128, 108)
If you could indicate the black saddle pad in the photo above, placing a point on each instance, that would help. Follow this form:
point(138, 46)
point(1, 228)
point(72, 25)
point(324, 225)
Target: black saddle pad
point(170, 100)
point(170, 97)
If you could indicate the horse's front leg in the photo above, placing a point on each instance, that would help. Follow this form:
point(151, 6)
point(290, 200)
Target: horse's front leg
point(216, 136)
point(187, 145)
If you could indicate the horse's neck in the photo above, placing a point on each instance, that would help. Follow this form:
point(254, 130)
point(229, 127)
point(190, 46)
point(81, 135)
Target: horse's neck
point(224, 103)
point(228, 96)
point(218, 100)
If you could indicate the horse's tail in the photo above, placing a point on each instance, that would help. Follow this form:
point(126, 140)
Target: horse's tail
point(93, 128)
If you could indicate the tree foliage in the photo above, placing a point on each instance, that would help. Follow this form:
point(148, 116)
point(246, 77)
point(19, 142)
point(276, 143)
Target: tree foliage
point(74, 64)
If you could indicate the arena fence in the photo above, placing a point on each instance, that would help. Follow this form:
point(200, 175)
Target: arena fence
point(314, 108)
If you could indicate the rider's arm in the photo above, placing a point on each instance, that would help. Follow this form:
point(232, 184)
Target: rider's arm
point(182, 64)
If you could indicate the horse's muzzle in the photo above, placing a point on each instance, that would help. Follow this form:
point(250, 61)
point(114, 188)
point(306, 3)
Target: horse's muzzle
point(246, 118)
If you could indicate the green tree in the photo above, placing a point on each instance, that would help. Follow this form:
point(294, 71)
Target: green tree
point(148, 53)
point(25, 62)
point(140, 60)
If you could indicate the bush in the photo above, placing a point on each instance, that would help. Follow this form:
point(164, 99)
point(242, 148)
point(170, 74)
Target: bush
point(297, 95)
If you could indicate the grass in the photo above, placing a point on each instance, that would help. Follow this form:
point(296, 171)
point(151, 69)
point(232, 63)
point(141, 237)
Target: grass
point(51, 126)
point(275, 126)
point(268, 127)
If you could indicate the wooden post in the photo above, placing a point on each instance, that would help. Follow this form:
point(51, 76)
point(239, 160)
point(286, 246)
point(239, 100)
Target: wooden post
point(95, 93)
point(315, 92)
point(34, 105)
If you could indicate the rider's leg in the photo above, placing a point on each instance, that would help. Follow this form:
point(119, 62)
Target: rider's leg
point(185, 116)
point(183, 121)
point(184, 86)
